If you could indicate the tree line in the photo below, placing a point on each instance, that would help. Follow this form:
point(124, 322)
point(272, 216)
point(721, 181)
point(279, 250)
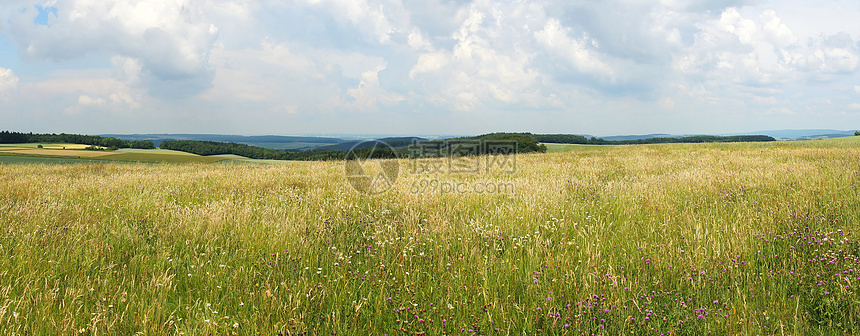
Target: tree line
point(525, 143)
point(7, 137)
point(581, 140)
point(253, 152)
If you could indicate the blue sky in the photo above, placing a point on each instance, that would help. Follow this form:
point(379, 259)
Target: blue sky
point(428, 67)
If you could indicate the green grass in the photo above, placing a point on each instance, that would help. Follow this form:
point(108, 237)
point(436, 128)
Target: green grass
point(123, 155)
point(741, 238)
point(554, 147)
point(18, 159)
point(161, 157)
point(153, 151)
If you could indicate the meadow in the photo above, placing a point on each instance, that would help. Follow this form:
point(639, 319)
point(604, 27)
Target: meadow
point(673, 239)
point(75, 153)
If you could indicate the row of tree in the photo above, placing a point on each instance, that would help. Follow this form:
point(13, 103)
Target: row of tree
point(253, 152)
point(578, 139)
point(525, 143)
point(7, 137)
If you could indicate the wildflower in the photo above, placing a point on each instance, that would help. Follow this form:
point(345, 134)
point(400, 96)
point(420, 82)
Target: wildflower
point(236, 325)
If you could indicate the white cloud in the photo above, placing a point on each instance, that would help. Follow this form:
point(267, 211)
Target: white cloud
point(8, 80)
point(667, 103)
point(549, 64)
point(775, 31)
point(837, 60)
point(753, 56)
point(368, 93)
point(780, 111)
point(170, 40)
point(555, 38)
point(90, 101)
point(741, 50)
point(380, 19)
point(485, 66)
point(770, 100)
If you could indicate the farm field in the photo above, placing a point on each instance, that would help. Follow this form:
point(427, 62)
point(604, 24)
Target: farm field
point(555, 147)
point(689, 239)
point(63, 153)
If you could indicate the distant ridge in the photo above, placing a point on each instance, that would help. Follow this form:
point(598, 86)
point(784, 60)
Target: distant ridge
point(225, 137)
point(640, 137)
point(394, 142)
point(345, 143)
point(265, 141)
point(802, 134)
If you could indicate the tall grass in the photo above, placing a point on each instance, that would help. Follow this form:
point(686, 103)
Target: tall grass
point(657, 239)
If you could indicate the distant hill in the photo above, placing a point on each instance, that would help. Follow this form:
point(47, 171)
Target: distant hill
point(787, 134)
point(639, 137)
point(265, 141)
point(803, 134)
point(302, 143)
point(393, 142)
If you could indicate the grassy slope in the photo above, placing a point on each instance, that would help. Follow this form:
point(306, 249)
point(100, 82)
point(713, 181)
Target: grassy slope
point(17, 159)
point(685, 239)
point(555, 147)
point(54, 153)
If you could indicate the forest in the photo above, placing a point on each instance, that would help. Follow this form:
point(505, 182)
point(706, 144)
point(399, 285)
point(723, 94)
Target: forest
point(7, 137)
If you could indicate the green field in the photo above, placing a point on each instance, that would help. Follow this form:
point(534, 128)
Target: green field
point(55, 153)
point(161, 157)
point(555, 147)
point(671, 239)
point(15, 159)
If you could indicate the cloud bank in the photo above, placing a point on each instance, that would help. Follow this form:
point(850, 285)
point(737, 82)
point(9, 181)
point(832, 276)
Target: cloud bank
point(436, 66)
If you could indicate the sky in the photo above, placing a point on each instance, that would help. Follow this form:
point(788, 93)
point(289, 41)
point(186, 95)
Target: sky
point(416, 67)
